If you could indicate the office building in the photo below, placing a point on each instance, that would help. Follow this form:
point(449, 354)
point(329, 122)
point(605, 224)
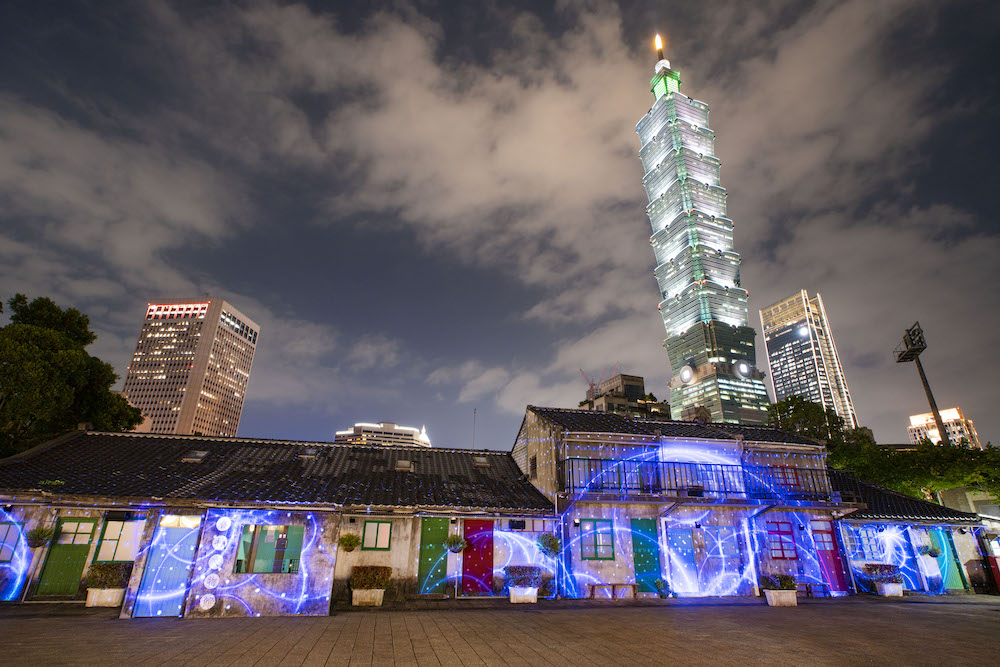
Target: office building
point(802, 355)
point(191, 366)
point(625, 395)
point(703, 305)
point(959, 428)
point(383, 433)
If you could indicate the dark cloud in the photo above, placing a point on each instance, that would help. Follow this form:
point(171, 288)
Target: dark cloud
point(494, 159)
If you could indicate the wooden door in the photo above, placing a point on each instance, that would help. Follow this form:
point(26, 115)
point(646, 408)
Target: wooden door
point(433, 572)
point(67, 557)
point(683, 565)
point(168, 567)
point(477, 559)
point(828, 555)
point(645, 554)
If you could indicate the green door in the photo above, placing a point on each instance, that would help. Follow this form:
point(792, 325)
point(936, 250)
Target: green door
point(433, 556)
point(64, 566)
point(951, 576)
point(645, 554)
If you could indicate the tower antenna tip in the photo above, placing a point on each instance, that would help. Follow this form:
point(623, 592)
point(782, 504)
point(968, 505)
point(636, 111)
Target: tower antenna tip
point(658, 42)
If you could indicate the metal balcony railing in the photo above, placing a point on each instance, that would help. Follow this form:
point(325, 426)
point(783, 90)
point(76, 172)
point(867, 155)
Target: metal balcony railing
point(708, 480)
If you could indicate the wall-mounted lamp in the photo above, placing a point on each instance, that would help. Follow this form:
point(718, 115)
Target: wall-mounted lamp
point(576, 522)
point(351, 520)
point(453, 520)
point(697, 525)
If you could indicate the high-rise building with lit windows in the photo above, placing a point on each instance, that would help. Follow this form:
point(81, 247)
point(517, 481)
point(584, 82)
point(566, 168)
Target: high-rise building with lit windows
point(960, 429)
point(382, 433)
point(704, 308)
point(802, 356)
point(191, 366)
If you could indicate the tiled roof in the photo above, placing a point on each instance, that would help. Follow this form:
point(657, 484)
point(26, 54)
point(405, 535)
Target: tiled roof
point(591, 421)
point(270, 471)
point(889, 505)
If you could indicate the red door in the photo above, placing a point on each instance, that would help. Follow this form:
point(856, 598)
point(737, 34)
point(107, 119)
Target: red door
point(828, 554)
point(477, 558)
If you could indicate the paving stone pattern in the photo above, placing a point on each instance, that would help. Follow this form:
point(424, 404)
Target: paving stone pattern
point(854, 631)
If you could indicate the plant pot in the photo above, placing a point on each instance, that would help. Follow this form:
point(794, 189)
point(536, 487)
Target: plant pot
point(778, 598)
point(105, 597)
point(348, 549)
point(522, 594)
point(367, 597)
point(890, 590)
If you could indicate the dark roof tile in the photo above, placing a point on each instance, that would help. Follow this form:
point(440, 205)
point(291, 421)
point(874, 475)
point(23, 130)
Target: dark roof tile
point(889, 505)
point(270, 471)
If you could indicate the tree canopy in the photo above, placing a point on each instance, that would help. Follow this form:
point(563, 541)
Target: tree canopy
point(48, 381)
point(918, 472)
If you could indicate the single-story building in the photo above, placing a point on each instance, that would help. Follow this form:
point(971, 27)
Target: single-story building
point(250, 527)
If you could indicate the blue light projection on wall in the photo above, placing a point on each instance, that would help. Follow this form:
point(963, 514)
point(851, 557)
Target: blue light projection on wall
point(702, 558)
point(924, 556)
point(14, 571)
point(169, 561)
point(217, 590)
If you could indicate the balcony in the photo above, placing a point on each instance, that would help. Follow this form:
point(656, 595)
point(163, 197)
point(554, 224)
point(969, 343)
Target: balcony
point(693, 480)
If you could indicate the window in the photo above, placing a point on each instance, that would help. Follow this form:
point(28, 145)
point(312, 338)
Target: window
point(481, 461)
point(73, 532)
point(120, 540)
point(377, 535)
point(865, 544)
point(533, 467)
point(9, 535)
point(597, 539)
point(822, 532)
point(786, 477)
point(780, 541)
point(270, 549)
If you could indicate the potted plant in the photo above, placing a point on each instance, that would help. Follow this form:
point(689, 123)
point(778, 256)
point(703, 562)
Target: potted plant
point(38, 536)
point(523, 582)
point(887, 578)
point(368, 584)
point(106, 583)
point(779, 590)
point(349, 542)
point(929, 550)
point(663, 589)
point(455, 543)
point(549, 545)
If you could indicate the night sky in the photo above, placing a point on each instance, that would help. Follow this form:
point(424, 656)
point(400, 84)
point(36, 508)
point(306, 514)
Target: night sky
point(435, 207)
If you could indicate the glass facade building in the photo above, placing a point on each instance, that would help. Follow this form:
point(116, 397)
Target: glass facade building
point(191, 367)
point(802, 356)
point(704, 308)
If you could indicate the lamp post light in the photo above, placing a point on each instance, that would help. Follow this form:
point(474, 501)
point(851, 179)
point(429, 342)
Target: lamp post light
point(909, 350)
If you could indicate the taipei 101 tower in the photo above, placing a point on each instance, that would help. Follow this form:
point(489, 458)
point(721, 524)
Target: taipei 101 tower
point(704, 307)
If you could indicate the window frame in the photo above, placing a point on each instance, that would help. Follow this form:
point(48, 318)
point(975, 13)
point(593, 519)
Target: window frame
point(596, 531)
point(257, 533)
point(19, 527)
point(364, 530)
point(104, 530)
point(776, 541)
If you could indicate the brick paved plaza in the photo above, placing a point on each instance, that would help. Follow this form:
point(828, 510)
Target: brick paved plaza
point(915, 631)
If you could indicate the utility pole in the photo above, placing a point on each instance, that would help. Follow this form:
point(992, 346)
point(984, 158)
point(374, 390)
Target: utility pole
point(474, 425)
point(909, 350)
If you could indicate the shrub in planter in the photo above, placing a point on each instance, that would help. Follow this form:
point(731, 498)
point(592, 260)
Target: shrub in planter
point(38, 536)
point(779, 590)
point(106, 584)
point(663, 589)
point(523, 582)
point(349, 542)
point(887, 578)
point(368, 584)
point(455, 543)
point(549, 545)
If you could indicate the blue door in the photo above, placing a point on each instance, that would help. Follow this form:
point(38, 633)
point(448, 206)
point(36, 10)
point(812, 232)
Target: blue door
point(683, 569)
point(168, 567)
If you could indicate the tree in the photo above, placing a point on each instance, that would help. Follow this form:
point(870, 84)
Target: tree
point(919, 472)
point(48, 381)
point(797, 415)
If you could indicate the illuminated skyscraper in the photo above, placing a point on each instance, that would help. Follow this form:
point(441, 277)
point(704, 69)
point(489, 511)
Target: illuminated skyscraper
point(802, 356)
point(191, 366)
point(382, 433)
point(960, 429)
point(704, 307)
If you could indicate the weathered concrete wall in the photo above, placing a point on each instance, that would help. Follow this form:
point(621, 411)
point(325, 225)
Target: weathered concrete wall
point(218, 590)
point(402, 555)
point(539, 439)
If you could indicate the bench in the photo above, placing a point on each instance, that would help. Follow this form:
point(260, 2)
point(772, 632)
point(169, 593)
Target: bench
point(613, 589)
point(812, 590)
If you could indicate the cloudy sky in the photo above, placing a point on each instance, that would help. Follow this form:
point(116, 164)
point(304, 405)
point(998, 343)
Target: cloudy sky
point(435, 207)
